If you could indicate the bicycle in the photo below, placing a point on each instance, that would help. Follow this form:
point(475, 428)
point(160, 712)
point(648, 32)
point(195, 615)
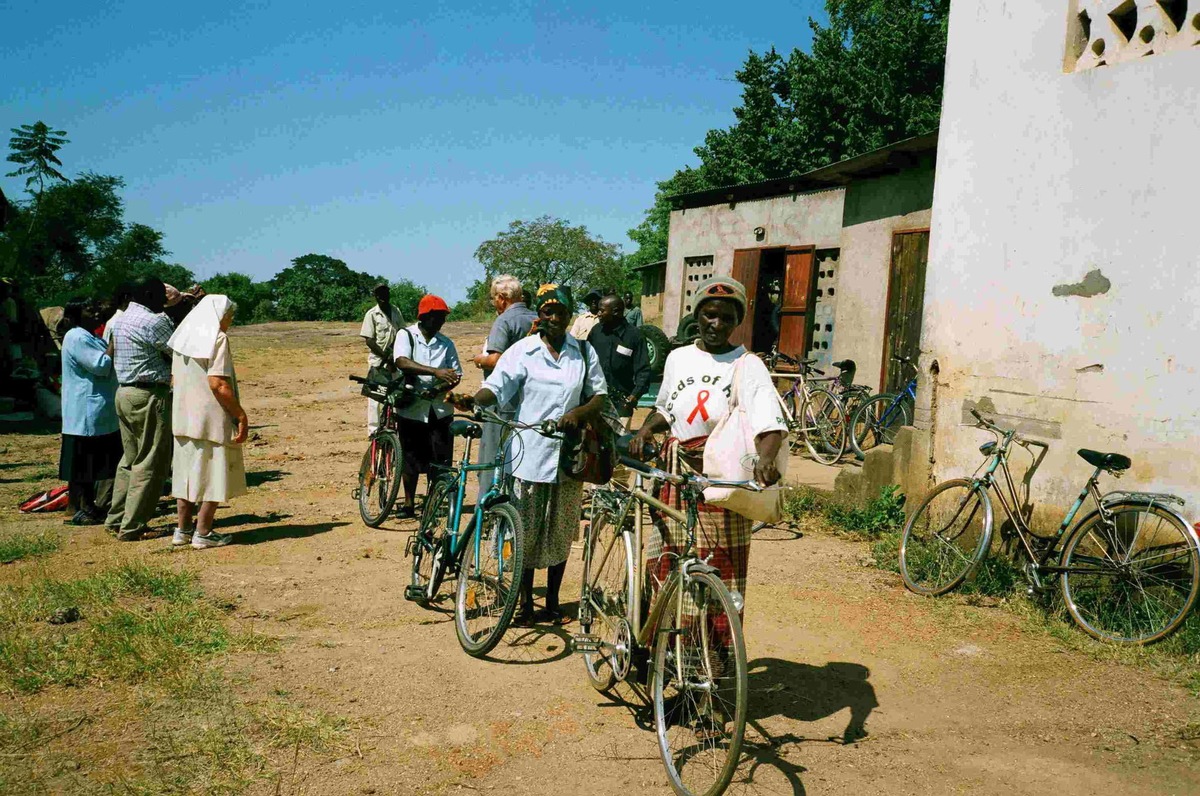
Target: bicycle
point(695, 680)
point(487, 557)
point(815, 416)
point(1129, 571)
point(880, 417)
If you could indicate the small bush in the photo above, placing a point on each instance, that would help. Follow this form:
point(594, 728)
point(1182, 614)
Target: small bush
point(997, 576)
point(884, 514)
point(801, 501)
point(15, 546)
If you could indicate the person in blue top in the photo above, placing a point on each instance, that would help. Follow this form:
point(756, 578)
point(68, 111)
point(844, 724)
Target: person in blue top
point(91, 437)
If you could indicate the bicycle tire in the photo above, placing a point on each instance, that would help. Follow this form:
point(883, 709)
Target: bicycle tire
point(795, 437)
point(1105, 597)
point(431, 540)
point(703, 777)
point(379, 480)
point(920, 558)
point(505, 582)
point(875, 422)
point(606, 588)
point(824, 426)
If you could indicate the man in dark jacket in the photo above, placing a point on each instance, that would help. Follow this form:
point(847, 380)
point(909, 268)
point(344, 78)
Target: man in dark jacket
point(623, 356)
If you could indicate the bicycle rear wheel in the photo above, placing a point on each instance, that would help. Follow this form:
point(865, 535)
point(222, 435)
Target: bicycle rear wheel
point(946, 537)
point(605, 600)
point(379, 478)
point(488, 581)
point(430, 544)
point(699, 688)
point(1133, 579)
point(823, 426)
point(877, 421)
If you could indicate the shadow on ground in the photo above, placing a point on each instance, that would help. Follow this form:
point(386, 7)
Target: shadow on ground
point(273, 533)
point(260, 477)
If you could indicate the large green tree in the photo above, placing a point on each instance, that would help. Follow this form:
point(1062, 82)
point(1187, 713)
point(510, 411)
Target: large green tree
point(317, 287)
point(549, 249)
point(253, 299)
point(873, 77)
point(33, 150)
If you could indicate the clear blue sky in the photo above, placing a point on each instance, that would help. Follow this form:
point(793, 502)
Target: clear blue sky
point(392, 136)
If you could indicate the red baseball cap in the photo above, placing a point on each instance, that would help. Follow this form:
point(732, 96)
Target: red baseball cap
point(431, 303)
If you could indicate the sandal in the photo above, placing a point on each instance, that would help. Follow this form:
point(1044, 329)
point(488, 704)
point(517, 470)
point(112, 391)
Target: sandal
point(405, 513)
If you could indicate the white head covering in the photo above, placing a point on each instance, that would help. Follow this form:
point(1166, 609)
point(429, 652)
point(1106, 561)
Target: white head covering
point(197, 333)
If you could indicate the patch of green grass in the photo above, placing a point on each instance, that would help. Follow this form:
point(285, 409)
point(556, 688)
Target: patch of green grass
point(286, 726)
point(801, 501)
point(135, 622)
point(997, 576)
point(23, 544)
point(40, 474)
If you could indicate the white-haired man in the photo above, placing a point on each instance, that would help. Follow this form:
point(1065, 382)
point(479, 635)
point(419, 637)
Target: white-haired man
point(513, 322)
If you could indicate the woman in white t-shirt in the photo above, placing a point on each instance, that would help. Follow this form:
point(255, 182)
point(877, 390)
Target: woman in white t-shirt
point(694, 395)
point(207, 420)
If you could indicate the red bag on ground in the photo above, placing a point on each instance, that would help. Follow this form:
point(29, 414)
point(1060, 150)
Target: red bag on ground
point(54, 500)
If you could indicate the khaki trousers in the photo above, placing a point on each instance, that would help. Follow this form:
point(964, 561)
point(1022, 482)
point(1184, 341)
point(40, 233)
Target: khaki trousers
point(145, 418)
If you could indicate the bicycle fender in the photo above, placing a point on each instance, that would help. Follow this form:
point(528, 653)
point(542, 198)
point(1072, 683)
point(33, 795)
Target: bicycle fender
point(495, 500)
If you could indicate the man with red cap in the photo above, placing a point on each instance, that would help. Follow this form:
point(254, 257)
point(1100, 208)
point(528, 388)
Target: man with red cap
point(425, 356)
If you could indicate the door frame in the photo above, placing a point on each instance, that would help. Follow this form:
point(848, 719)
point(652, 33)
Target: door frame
point(887, 303)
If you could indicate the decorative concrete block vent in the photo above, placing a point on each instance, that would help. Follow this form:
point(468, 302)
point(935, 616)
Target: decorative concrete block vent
point(1104, 32)
point(695, 271)
point(824, 308)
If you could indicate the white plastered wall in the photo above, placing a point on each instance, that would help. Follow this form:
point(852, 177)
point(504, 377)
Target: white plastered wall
point(1042, 178)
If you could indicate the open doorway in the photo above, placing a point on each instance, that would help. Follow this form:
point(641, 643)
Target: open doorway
point(768, 299)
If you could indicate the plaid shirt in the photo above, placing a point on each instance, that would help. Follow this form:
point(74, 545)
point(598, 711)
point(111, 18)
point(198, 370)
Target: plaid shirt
point(140, 342)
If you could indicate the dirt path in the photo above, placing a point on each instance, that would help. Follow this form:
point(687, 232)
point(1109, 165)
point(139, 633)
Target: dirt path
point(957, 699)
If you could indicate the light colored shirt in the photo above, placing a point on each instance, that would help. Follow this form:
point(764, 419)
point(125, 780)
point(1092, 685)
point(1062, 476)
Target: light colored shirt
point(89, 386)
point(436, 352)
point(537, 387)
point(108, 327)
point(510, 326)
point(583, 326)
point(695, 392)
point(634, 316)
point(140, 342)
point(195, 413)
point(382, 329)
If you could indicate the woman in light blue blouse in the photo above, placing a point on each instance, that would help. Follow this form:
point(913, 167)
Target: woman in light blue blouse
point(91, 438)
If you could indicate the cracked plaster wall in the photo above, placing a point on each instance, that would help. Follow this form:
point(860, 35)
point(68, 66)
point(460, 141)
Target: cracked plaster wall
point(1044, 177)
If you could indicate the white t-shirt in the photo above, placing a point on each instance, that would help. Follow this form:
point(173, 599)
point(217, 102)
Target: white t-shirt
point(695, 392)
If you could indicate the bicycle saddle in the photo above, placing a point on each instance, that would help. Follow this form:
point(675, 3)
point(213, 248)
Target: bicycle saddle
point(845, 364)
point(465, 428)
point(1105, 461)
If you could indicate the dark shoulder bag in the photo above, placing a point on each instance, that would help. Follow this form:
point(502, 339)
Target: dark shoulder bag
point(591, 455)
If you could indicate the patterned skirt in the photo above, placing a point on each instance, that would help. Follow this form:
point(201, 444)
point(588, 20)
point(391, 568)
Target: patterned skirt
point(550, 516)
point(723, 537)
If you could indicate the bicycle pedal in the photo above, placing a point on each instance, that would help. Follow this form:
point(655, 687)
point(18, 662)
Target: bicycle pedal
point(585, 643)
point(414, 593)
point(355, 493)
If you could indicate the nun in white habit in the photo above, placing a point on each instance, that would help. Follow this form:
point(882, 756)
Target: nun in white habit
point(208, 422)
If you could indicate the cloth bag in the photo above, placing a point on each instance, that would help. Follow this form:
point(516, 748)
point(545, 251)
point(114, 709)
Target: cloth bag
point(729, 455)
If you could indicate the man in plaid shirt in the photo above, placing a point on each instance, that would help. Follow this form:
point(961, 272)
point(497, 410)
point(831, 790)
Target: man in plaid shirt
point(143, 366)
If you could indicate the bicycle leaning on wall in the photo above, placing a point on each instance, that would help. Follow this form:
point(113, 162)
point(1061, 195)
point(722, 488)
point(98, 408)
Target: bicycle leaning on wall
point(1129, 571)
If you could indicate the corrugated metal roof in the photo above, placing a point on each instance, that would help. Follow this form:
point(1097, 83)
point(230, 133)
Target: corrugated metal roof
point(648, 265)
point(886, 160)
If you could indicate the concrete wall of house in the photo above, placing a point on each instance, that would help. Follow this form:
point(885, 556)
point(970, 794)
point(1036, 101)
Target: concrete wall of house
point(875, 208)
point(1063, 285)
point(804, 219)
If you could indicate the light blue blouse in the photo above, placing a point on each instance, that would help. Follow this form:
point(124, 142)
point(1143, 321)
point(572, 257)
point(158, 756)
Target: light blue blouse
point(531, 383)
point(89, 386)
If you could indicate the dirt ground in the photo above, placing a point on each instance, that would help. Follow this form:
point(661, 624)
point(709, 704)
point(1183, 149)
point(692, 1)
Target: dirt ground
point(957, 699)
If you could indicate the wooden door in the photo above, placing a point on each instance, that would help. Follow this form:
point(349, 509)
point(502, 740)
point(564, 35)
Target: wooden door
point(795, 323)
point(745, 270)
point(905, 305)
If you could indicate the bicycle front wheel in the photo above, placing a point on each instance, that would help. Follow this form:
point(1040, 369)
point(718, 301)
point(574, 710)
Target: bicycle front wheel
point(699, 689)
point(605, 600)
point(876, 422)
point(431, 542)
point(824, 426)
point(488, 581)
point(379, 478)
point(946, 537)
point(1132, 579)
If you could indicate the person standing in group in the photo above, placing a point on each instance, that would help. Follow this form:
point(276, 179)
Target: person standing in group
point(208, 422)
point(584, 323)
point(139, 340)
point(91, 437)
point(423, 352)
point(121, 301)
point(633, 312)
point(547, 376)
point(623, 357)
point(379, 328)
point(697, 382)
point(513, 322)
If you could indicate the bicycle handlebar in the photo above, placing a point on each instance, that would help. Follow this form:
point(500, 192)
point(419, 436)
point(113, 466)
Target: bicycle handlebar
point(547, 428)
point(681, 480)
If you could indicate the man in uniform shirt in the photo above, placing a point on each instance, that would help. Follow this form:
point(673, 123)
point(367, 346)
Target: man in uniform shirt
point(633, 312)
point(513, 323)
point(584, 323)
point(623, 357)
point(379, 328)
point(426, 354)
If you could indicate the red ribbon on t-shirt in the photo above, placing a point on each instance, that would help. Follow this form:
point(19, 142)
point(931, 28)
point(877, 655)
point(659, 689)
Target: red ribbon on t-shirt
point(701, 399)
